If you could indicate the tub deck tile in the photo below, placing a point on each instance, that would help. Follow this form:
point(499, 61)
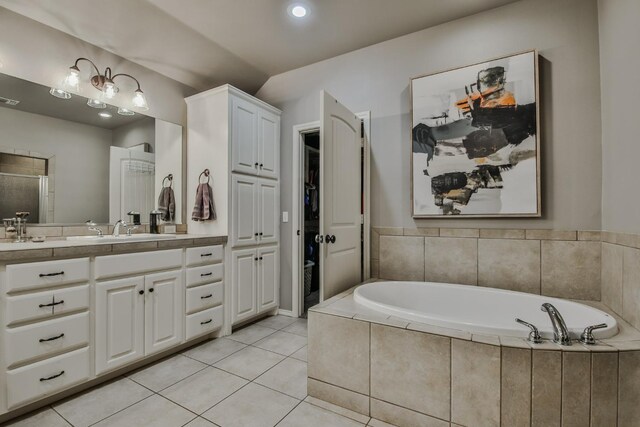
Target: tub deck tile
point(437, 330)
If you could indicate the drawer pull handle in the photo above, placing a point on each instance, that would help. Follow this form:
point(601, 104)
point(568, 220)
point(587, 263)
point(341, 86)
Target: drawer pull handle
point(206, 321)
point(206, 274)
point(51, 304)
point(207, 254)
point(52, 338)
point(206, 296)
point(60, 273)
point(52, 377)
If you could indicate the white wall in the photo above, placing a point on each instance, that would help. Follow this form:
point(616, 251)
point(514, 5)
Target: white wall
point(619, 69)
point(376, 78)
point(136, 133)
point(41, 54)
point(168, 140)
point(81, 161)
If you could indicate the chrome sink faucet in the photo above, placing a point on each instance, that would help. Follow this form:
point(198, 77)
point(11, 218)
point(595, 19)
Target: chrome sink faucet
point(92, 226)
point(116, 228)
point(560, 331)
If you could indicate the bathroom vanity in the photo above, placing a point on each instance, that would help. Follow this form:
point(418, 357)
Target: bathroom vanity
point(76, 313)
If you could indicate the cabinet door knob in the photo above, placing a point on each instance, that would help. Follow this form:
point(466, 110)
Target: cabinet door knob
point(255, 165)
point(141, 292)
point(261, 165)
point(150, 289)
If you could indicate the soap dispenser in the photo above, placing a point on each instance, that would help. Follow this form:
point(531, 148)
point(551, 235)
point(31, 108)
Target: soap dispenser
point(154, 220)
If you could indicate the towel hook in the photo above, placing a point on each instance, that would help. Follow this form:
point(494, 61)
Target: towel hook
point(168, 177)
point(205, 173)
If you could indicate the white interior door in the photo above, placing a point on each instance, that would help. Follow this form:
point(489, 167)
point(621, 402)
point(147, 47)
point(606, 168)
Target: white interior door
point(340, 197)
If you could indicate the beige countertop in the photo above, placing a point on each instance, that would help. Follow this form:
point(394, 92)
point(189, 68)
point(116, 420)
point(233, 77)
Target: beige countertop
point(59, 248)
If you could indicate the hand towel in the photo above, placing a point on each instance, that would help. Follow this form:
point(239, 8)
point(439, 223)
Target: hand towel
point(167, 204)
point(204, 209)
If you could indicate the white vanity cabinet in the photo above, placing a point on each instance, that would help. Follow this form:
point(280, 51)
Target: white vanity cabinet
point(237, 137)
point(256, 281)
point(255, 139)
point(140, 315)
point(46, 328)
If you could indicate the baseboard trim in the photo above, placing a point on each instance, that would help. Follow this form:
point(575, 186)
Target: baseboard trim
point(286, 313)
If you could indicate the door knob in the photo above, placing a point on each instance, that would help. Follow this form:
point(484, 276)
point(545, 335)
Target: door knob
point(331, 238)
point(319, 238)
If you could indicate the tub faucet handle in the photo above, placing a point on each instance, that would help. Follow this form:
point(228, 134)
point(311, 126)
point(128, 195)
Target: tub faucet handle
point(534, 335)
point(587, 336)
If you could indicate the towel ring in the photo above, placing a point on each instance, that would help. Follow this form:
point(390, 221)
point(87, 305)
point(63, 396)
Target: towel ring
point(205, 173)
point(168, 177)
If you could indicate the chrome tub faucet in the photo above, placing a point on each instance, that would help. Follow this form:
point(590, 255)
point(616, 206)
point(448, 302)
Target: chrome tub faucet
point(560, 331)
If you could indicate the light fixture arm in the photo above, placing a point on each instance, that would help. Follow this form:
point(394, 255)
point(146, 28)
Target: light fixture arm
point(126, 75)
point(75, 65)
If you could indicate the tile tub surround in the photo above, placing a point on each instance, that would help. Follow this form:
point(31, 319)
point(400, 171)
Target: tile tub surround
point(558, 263)
point(410, 374)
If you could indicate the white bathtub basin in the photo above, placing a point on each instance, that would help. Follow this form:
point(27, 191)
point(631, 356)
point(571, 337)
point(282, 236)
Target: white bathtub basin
point(479, 310)
point(122, 238)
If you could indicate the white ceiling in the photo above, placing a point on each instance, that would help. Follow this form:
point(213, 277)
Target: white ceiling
point(204, 43)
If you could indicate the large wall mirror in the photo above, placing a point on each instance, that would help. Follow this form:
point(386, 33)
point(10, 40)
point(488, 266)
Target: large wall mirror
point(67, 161)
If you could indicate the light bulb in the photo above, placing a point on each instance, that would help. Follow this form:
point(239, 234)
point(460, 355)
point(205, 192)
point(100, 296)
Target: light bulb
point(299, 11)
point(125, 112)
point(59, 93)
point(105, 115)
point(109, 89)
point(140, 101)
point(72, 81)
point(96, 103)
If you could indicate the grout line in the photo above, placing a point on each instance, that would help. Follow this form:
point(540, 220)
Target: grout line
point(60, 415)
point(123, 409)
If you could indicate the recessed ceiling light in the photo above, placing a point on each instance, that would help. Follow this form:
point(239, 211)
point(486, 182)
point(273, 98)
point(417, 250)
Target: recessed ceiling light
point(105, 115)
point(59, 93)
point(298, 10)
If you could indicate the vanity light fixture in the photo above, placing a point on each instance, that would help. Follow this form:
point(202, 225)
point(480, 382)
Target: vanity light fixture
point(125, 112)
point(105, 115)
point(96, 103)
point(104, 82)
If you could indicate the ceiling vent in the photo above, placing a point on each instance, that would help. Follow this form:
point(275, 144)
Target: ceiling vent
point(8, 101)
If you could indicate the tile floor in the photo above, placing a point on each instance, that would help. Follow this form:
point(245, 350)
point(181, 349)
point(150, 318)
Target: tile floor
point(255, 377)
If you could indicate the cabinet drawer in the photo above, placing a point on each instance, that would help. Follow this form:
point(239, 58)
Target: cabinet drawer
point(126, 264)
point(53, 336)
point(204, 322)
point(22, 308)
point(45, 274)
point(205, 255)
point(204, 296)
point(47, 377)
point(204, 274)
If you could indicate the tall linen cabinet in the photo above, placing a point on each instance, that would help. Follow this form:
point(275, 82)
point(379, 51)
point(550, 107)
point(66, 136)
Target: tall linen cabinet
point(236, 137)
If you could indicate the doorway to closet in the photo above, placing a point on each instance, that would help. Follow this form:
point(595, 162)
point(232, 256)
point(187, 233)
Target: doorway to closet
point(330, 212)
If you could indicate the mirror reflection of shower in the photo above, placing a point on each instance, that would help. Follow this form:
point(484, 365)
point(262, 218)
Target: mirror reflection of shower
point(24, 186)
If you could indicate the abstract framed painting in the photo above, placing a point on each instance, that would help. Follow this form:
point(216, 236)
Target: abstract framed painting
point(475, 140)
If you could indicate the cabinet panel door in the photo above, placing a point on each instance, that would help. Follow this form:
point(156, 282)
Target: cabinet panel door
point(119, 323)
point(244, 284)
point(244, 136)
point(269, 216)
point(164, 311)
point(268, 144)
point(244, 210)
point(268, 278)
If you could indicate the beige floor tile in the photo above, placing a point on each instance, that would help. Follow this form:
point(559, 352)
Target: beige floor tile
point(313, 416)
point(249, 363)
point(299, 327)
point(251, 334)
point(43, 418)
point(155, 411)
point(301, 354)
point(101, 402)
point(282, 343)
point(251, 406)
point(167, 372)
point(276, 322)
point(288, 377)
point(338, 410)
point(200, 422)
point(204, 389)
point(212, 351)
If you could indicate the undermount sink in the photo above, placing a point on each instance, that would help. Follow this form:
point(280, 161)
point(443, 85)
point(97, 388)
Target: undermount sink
point(122, 238)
